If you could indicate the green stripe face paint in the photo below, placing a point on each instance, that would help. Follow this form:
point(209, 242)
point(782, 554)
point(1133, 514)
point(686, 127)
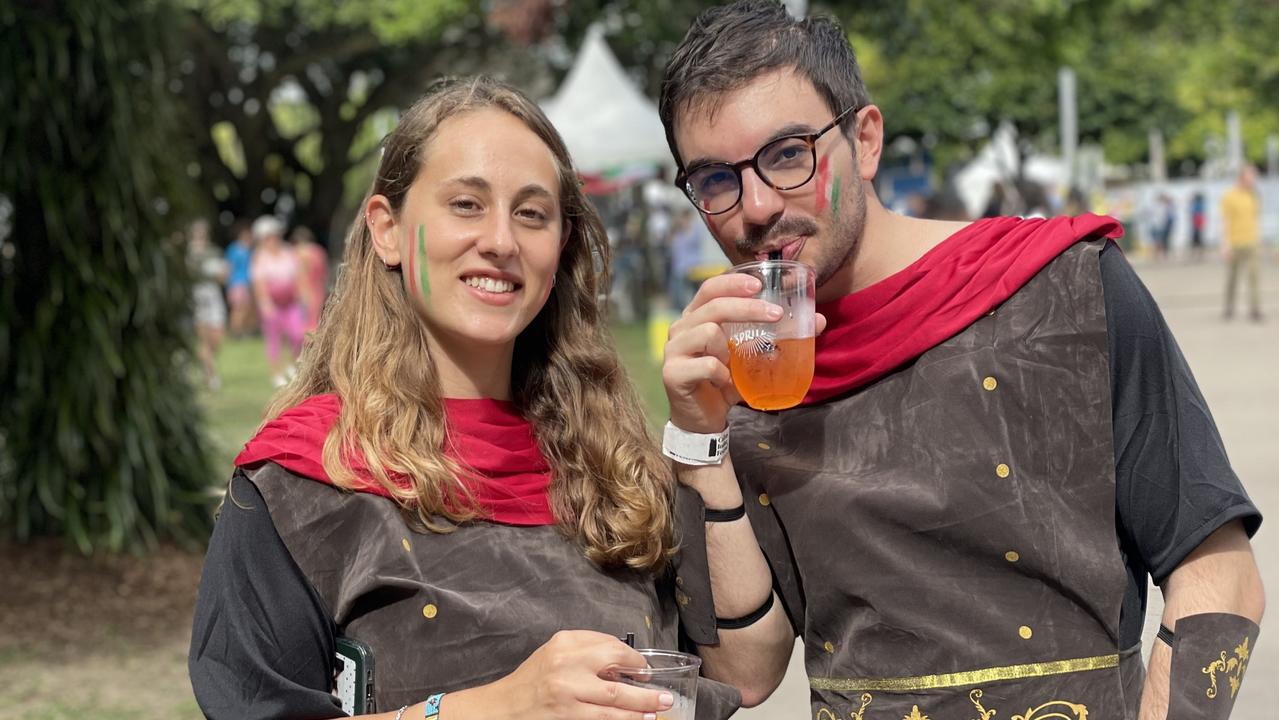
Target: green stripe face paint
point(834, 197)
point(423, 280)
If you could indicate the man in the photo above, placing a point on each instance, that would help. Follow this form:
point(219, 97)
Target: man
point(1241, 226)
point(1001, 442)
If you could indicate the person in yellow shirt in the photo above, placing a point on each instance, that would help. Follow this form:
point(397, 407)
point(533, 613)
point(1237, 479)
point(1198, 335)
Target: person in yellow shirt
point(1241, 234)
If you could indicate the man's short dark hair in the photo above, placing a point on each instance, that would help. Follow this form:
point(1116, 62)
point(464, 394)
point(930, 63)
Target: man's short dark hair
point(729, 46)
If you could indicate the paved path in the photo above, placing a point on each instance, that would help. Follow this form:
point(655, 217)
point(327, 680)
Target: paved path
point(1237, 366)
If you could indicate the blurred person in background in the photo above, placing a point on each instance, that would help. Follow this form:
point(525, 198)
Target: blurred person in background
point(315, 273)
point(1241, 241)
point(239, 288)
point(1164, 220)
point(461, 476)
point(686, 255)
point(209, 270)
point(278, 289)
point(1198, 221)
point(1001, 445)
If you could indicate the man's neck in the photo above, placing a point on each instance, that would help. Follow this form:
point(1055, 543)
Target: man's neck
point(891, 243)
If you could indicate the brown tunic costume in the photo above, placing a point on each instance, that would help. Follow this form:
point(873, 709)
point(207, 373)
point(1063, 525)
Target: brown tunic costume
point(944, 538)
point(444, 612)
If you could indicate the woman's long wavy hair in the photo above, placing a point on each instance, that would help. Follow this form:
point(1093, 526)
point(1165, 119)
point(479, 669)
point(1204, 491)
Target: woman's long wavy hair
point(611, 489)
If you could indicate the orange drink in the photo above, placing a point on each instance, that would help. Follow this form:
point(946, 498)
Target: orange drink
point(772, 374)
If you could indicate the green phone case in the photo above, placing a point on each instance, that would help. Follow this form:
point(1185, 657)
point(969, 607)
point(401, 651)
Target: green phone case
point(354, 682)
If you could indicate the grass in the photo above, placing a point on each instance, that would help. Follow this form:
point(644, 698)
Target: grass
point(235, 411)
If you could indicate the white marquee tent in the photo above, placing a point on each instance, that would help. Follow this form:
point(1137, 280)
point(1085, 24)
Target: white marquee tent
point(608, 124)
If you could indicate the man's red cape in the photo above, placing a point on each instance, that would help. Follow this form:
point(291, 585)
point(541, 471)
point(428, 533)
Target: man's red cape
point(510, 478)
point(875, 330)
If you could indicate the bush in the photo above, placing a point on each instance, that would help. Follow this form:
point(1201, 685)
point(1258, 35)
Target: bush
point(100, 431)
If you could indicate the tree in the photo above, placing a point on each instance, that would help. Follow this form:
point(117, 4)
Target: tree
point(290, 98)
point(100, 436)
point(948, 73)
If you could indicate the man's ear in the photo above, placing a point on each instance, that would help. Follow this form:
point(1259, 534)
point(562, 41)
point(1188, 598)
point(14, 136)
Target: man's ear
point(870, 142)
point(380, 221)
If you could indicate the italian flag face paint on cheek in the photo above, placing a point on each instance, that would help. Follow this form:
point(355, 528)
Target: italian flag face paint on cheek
point(834, 196)
point(415, 276)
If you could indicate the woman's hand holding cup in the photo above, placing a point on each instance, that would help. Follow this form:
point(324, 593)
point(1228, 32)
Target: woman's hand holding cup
point(566, 678)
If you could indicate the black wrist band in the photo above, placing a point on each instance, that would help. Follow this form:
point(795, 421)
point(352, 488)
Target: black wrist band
point(746, 620)
point(728, 515)
point(1165, 634)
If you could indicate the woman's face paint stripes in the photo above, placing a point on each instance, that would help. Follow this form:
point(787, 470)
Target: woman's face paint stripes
point(420, 277)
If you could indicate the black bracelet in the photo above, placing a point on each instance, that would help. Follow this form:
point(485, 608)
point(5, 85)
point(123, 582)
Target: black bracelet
point(1165, 634)
point(728, 515)
point(746, 620)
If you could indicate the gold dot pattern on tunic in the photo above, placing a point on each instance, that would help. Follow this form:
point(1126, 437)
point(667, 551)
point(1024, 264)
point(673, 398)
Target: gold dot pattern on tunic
point(430, 611)
point(763, 499)
point(681, 598)
point(1012, 556)
point(1002, 470)
point(1025, 632)
point(829, 647)
point(763, 446)
point(405, 543)
point(990, 383)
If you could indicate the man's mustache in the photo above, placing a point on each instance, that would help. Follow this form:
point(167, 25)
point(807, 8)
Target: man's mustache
point(759, 236)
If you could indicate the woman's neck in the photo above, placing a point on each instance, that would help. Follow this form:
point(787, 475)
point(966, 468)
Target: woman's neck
point(473, 373)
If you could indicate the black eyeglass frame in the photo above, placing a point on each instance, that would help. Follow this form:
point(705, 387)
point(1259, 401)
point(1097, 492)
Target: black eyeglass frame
point(681, 179)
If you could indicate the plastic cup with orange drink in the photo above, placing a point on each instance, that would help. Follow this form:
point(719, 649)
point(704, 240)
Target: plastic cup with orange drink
point(772, 363)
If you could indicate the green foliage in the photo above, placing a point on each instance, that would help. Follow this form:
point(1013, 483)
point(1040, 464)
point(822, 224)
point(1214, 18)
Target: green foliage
point(950, 72)
point(100, 435)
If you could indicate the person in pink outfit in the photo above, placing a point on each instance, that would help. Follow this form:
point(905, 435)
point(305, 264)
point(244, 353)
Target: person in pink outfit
point(278, 287)
point(315, 273)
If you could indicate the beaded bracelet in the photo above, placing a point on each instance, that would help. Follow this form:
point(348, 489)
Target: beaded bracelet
point(433, 706)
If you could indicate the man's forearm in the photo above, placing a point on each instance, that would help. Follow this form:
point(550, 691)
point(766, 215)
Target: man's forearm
point(1220, 576)
point(752, 658)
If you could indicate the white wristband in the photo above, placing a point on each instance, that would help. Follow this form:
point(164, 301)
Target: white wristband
point(694, 448)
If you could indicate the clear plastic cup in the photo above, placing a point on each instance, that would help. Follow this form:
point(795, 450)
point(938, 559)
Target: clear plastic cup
point(674, 672)
point(772, 363)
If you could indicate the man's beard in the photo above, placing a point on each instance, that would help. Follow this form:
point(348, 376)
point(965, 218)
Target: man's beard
point(845, 237)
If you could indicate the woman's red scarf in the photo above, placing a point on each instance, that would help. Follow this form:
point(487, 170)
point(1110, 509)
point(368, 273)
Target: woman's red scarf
point(510, 478)
point(875, 330)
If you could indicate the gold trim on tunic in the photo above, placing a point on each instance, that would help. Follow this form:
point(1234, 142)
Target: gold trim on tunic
point(971, 677)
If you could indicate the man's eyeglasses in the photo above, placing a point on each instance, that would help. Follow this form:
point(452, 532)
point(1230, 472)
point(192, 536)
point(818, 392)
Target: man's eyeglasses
point(784, 164)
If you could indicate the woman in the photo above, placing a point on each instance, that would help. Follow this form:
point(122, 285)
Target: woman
point(315, 273)
point(239, 294)
point(509, 514)
point(278, 287)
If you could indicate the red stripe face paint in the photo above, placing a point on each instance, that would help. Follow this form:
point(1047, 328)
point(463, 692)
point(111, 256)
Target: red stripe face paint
point(823, 184)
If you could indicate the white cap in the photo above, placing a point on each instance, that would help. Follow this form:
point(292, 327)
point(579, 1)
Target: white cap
point(267, 225)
